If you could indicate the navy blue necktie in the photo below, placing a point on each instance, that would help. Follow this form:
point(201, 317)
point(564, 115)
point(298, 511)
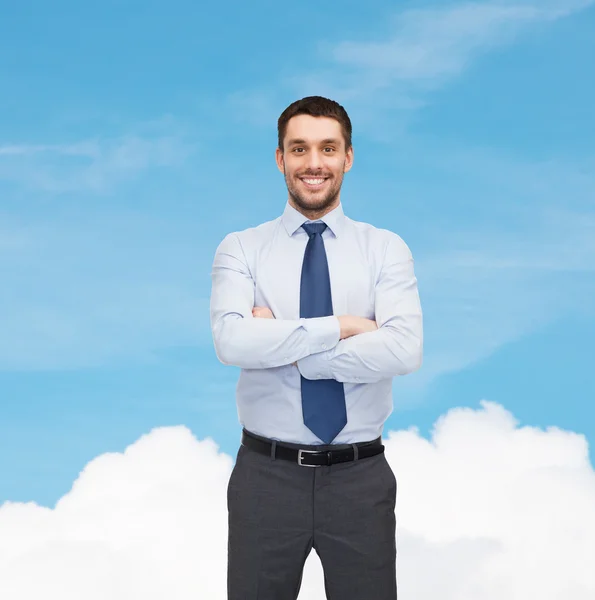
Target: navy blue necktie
point(323, 400)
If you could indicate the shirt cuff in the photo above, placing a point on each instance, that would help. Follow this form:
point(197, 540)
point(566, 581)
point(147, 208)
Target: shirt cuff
point(324, 333)
point(316, 366)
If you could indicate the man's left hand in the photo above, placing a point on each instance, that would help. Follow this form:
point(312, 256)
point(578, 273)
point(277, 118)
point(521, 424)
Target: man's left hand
point(262, 312)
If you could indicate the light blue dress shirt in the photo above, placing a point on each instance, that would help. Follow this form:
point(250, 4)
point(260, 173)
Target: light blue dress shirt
point(372, 276)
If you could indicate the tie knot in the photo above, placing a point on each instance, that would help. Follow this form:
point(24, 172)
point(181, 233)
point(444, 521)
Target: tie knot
point(314, 228)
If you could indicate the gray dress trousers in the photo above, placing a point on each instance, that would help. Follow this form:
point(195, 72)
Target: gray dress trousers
point(279, 510)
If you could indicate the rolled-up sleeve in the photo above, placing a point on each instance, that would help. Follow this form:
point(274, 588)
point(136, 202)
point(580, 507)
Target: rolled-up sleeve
point(396, 347)
point(256, 343)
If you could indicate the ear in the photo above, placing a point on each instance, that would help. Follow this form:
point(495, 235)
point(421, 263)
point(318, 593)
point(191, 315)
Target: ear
point(348, 159)
point(280, 160)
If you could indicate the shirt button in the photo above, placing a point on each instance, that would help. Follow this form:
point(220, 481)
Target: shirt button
point(324, 346)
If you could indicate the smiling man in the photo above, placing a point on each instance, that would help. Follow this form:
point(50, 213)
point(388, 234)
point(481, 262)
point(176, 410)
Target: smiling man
point(320, 312)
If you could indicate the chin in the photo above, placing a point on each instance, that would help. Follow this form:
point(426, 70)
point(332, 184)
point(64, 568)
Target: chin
point(314, 203)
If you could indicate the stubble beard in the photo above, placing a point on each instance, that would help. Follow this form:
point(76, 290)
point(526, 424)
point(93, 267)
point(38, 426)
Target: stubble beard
point(304, 201)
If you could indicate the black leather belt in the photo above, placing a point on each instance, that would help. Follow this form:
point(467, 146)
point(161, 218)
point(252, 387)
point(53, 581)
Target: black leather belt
point(309, 457)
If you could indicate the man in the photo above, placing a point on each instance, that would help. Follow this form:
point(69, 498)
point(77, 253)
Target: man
point(319, 312)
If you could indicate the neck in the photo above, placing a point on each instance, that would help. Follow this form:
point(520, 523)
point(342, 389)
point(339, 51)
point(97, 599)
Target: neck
point(314, 214)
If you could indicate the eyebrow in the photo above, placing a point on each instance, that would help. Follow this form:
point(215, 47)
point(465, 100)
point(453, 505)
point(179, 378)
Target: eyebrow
point(300, 141)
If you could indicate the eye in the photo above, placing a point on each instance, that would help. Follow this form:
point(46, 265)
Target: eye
point(296, 149)
point(329, 148)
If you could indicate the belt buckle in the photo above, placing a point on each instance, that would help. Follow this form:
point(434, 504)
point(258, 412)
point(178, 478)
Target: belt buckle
point(301, 456)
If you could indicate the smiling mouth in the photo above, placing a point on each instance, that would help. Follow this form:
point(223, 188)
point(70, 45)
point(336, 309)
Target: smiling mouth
point(313, 182)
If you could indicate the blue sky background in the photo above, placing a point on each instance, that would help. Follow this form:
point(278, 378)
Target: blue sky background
point(134, 136)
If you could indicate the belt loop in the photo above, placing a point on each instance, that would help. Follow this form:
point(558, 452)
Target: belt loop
point(273, 449)
point(355, 452)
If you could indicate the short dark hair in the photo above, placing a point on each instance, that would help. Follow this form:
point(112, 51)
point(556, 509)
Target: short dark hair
point(315, 106)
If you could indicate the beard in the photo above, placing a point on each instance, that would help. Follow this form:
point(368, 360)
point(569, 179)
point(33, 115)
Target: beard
point(314, 202)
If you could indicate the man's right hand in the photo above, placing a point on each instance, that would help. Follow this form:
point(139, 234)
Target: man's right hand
point(351, 325)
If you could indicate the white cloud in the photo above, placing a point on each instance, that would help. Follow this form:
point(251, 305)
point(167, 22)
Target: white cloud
point(430, 46)
point(92, 165)
point(423, 50)
point(486, 510)
point(89, 149)
point(435, 43)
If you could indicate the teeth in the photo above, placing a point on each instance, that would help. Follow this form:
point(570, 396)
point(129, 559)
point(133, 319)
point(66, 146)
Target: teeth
point(314, 181)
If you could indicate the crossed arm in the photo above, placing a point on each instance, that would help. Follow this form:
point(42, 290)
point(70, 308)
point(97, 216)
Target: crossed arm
point(346, 348)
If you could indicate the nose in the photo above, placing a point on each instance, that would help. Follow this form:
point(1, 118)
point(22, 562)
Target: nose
point(314, 159)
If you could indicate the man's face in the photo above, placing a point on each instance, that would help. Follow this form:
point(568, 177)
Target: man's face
point(313, 162)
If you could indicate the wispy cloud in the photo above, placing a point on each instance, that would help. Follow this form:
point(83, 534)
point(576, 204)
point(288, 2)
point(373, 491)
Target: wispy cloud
point(98, 290)
point(431, 45)
point(89, 149)
point(470, 277)
point(424, 50)
point(517, 253)
point(91, 165)
point(151, 522)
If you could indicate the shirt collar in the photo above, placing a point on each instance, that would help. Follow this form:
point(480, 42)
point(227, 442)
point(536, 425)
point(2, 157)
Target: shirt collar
point(293, 219)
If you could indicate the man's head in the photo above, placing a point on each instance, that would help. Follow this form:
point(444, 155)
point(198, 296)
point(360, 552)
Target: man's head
point(314, 152)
